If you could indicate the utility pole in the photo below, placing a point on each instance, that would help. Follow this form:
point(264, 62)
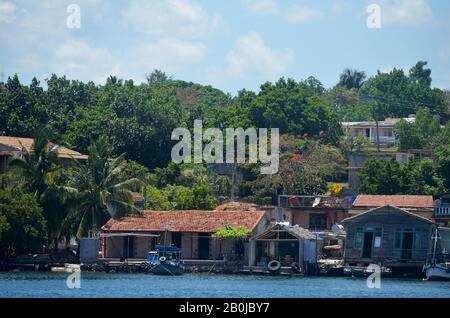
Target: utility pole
point(378, 130)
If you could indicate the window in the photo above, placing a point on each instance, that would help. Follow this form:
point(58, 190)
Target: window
point(359, 238)
point(317, 221)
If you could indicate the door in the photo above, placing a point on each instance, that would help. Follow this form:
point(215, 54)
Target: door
point(128, 247)
point(368, 243)
point(176, 239)
point(203, 246)
point(407, 245)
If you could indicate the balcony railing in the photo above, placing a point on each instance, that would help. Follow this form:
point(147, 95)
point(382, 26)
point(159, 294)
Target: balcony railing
point(442, 211)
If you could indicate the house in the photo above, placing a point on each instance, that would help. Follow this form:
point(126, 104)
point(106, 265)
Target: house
point(388, 236)
point(368, 129)
point(284, 243)
point(10, 146)
point(313, 212)
point(135, 236)
point(422, 205)
point(442, 209)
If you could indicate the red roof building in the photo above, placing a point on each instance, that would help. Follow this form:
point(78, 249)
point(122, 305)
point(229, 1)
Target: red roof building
point(422, 205)
point(190, 230)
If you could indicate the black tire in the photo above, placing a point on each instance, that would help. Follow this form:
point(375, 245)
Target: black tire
point(296, 267)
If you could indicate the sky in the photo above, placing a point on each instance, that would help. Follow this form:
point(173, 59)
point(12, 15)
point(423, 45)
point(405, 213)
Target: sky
point(230, 45)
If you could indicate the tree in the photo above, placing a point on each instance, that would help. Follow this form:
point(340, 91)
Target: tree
point(98, 190)
point(352, 78)
point(35, 166)
point(442, 155)
point(381, 176)
point(22, 225)
point(237, 234)
point(424, 133)
point(157, 76)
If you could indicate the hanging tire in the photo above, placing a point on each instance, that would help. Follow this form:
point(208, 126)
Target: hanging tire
point(274, 266)
point(162, 259)
point(296, 267)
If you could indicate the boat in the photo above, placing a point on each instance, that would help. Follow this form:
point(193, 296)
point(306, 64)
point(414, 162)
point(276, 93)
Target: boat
point(166, 261)
point(438, 264)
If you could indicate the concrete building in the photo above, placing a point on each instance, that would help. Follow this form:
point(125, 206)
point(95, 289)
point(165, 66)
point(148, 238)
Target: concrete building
point(368, 130)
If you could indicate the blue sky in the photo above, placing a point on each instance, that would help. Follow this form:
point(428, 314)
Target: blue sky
point(231, 44)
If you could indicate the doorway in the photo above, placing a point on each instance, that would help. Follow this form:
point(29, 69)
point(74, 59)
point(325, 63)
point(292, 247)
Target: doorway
point(368, 244)
point(128, 247)
point(407, 245)
point(203, 246)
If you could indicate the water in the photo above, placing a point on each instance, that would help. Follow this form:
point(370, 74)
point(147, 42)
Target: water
point(45, 284)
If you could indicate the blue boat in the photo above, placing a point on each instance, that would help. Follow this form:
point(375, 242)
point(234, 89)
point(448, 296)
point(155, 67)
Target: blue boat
point(166, 260)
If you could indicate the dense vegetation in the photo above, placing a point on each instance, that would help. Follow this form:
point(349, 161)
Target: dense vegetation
point(132, 123)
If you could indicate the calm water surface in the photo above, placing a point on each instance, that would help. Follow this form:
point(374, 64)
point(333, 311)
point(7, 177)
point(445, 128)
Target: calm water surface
point(41, 284)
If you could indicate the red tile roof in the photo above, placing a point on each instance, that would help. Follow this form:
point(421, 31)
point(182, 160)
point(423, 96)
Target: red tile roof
point(184, 221)
point(401, 201)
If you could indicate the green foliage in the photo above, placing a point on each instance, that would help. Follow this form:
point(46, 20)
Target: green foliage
point(381, 176)
point(424, 133)
point(387, 176)
point(238, 233)
point(98, 190)
point(35, 167)
point(442, 155)
point(305, 168)
point(176, 197)
point(352, 78)
point(22, 225)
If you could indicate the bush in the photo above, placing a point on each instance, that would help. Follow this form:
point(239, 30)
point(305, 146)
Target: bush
point(22, 225)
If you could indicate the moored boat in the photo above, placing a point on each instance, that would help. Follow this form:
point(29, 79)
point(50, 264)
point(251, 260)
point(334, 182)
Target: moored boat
point(438, 264)
point(166, 261)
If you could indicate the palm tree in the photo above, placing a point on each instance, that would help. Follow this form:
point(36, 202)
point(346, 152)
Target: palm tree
point(35, 167)
point(352, 78)
point(98, 190)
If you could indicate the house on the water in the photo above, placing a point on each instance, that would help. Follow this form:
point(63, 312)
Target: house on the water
point(10, 146)
point(313, 212)
point(390, 237)
point(135, 236)
point(422, 205)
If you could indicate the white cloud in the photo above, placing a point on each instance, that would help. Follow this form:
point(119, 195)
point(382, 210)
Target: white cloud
point(184, 18)
point(295, 14)
point(78, 59)
point(168, 54)
point(405, 12)
point(302, 14)
point(251, 57)
point(7, 10)
point(263, 7)
point(339, 8)
point(77, 49)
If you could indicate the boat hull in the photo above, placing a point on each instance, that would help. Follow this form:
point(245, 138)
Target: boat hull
point(437, 273)
point(168, 269)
